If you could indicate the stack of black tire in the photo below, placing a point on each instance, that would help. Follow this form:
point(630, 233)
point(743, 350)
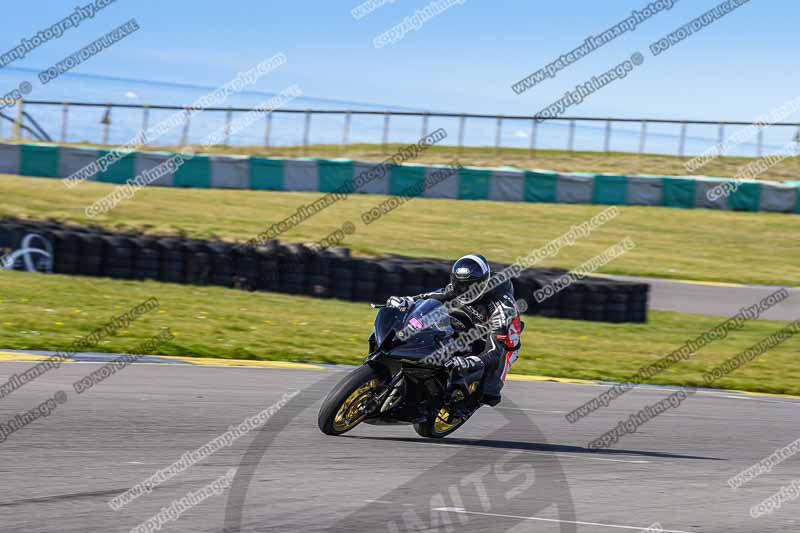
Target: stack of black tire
point(297, 269)
point(590, 298)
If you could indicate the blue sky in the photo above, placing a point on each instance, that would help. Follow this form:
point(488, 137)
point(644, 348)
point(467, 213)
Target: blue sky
point(464, 59)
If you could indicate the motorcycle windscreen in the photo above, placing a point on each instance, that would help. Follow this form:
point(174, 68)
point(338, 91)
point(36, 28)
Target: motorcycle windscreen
point(427, 325)
point(386, 321)
point(429, 316)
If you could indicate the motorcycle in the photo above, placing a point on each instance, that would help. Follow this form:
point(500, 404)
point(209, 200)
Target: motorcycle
point(403, 379)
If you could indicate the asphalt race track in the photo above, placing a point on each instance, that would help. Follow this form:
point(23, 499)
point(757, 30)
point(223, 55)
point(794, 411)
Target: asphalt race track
point(521, 467)
point(715, 299)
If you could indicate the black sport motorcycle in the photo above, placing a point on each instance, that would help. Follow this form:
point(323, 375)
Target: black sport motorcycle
point(403, 380)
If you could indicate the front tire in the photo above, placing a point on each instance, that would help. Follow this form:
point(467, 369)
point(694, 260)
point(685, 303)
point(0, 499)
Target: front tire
point(343, 409)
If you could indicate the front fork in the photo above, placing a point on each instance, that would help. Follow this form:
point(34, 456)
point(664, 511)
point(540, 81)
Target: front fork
point(390, 396)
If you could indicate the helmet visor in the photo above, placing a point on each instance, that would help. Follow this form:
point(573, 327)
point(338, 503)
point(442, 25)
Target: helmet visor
point(467, 291)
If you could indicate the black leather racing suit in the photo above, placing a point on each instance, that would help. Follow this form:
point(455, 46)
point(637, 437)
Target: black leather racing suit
point(497, 309)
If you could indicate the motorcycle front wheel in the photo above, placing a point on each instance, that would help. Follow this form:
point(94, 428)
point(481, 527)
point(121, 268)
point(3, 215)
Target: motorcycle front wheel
point(345, 406)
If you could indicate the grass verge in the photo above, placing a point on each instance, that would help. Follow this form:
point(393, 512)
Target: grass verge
point(48, 312)
point(670, 243)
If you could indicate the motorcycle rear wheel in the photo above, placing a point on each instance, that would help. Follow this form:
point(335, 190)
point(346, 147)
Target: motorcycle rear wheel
point(345, 406)
point(441, 426)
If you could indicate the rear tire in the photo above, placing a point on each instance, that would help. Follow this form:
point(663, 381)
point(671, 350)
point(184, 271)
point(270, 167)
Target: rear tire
point(438, 428)
point(335, 416)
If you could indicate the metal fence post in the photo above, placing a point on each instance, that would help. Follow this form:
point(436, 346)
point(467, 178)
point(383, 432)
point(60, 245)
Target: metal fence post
point(64, 122)
point(386, 132)
point(106, 121)
point(267, 129)
point(642, 136)
point(228, 119)
point(534, 131)
point(607, 142)
point(721, 138)
point(571, 138)
point(346, 130)
point(185, 132)
point(306, 128)
point(424, 124)
point(18, 120)
point(462, 122)
point(760, 142)
point(682, 146)
point(498, 134)
point(145, 123)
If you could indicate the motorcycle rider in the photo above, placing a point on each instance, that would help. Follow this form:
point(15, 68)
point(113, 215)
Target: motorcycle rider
point(495, 308)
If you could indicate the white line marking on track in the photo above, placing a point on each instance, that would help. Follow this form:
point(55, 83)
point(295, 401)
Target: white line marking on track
point(461, 510)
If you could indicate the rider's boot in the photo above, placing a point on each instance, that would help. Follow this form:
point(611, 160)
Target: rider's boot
point(489, 399)
point(466, 408)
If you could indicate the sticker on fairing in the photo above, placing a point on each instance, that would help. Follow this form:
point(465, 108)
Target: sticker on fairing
point(416, 323)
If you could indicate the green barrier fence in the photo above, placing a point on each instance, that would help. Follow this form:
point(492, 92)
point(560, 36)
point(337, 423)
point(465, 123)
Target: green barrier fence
point(334, 174)
point(266, 174)
point(39, 160)
point(407, 180)
point(194, 172)
point(540, 186)
point(746, 198)
point(473, 183)
point(677, 192)
point(609, 189)
point(121, 171)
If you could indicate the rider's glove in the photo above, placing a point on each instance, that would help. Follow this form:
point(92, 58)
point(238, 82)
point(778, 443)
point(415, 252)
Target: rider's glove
point(399, 302)
point(464, 364)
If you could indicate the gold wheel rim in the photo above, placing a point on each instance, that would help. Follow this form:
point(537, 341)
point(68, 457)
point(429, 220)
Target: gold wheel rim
point(444, 421)
point(351, 412)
